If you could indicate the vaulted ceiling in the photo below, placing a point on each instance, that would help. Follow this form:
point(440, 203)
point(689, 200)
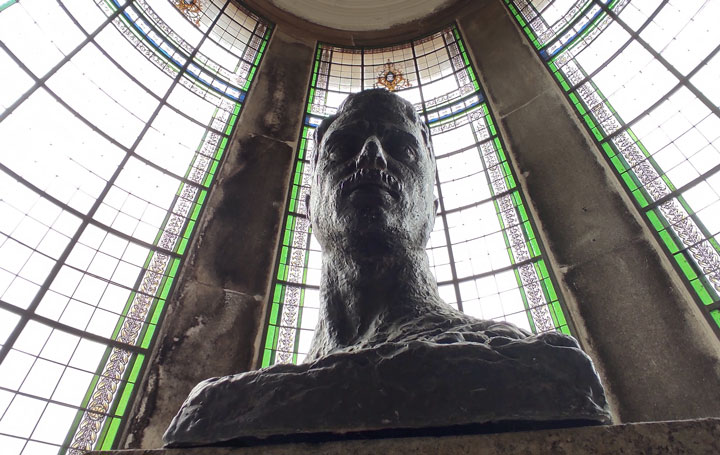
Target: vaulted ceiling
point(365, 15)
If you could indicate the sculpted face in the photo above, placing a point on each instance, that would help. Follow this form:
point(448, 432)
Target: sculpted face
point(373, 174)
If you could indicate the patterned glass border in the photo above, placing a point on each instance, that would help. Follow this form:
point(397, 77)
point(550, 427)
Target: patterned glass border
point(114, 118)
point(493, 267)
point(643, 77)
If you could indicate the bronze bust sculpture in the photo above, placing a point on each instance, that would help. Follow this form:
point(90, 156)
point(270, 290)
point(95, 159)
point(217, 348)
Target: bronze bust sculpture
point(388, 353)
point(372, 209)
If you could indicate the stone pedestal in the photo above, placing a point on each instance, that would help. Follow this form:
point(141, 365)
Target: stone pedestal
point(675, 437)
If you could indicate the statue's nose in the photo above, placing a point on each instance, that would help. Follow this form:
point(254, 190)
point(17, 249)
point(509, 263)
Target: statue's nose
point(372, 155)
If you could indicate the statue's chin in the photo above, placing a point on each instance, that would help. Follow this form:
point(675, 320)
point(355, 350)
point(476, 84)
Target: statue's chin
point(370, 196)
point(367, 211)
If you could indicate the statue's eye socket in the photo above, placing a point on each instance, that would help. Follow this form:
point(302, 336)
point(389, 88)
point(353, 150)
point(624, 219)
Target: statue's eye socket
point(409, 152)
point(401, 148)
point(340, 146)
point(334, 151)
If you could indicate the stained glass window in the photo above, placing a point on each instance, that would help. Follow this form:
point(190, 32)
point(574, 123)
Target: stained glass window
point(643, 76)
point(483, 251)
point(114, 117)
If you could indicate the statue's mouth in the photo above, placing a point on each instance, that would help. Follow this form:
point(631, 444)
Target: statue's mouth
point(371, 179)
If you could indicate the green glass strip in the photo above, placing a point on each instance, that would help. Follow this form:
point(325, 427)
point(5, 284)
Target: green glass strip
point(251, 76)
point(555, 319)
point(685, 266)
point(553, 297)
point(7, 4)
point(715, 314)
point(107, 436)
point(135, 372)
point(182, 246)
point(274, 314)
point(230, 125)
point(221, 149)
point(125, 399)
point(196, 212)
point(261, 51)
point(149, 333)
point(702, 292)
point(159, 306)
point(669, 241)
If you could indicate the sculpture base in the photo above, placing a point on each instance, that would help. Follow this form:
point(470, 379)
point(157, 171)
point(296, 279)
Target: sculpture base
point(537, 382)
point(696, 437)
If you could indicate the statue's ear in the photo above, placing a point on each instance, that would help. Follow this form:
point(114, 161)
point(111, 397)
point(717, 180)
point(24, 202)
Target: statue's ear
point(436, 203)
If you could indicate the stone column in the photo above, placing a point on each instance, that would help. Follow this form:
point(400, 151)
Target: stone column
point(216, 315)
point(654, 350)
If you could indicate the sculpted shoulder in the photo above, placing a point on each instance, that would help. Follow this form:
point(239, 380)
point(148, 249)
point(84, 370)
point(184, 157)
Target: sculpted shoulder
point(445, 325)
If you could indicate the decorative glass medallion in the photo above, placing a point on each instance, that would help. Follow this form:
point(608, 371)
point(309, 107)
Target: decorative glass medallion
point(192, 9)
point(391, 78)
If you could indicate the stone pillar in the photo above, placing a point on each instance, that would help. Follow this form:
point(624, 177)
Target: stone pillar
point(215, 318)
point(656, 353)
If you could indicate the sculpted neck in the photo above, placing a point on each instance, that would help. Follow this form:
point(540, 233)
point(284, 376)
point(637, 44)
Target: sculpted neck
point(363, 296)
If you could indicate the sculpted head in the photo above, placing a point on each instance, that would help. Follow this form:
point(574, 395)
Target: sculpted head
point(373, 175)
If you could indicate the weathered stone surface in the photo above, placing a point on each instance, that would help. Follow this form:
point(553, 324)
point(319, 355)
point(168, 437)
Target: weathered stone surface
point(417, 384)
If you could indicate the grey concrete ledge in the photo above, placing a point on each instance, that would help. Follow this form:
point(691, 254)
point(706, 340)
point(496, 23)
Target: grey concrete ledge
point(674, 437)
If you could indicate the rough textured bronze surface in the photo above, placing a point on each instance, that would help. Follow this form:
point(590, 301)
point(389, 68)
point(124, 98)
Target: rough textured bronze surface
point(420, 384)
point(387, 351)
point(696, 437)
